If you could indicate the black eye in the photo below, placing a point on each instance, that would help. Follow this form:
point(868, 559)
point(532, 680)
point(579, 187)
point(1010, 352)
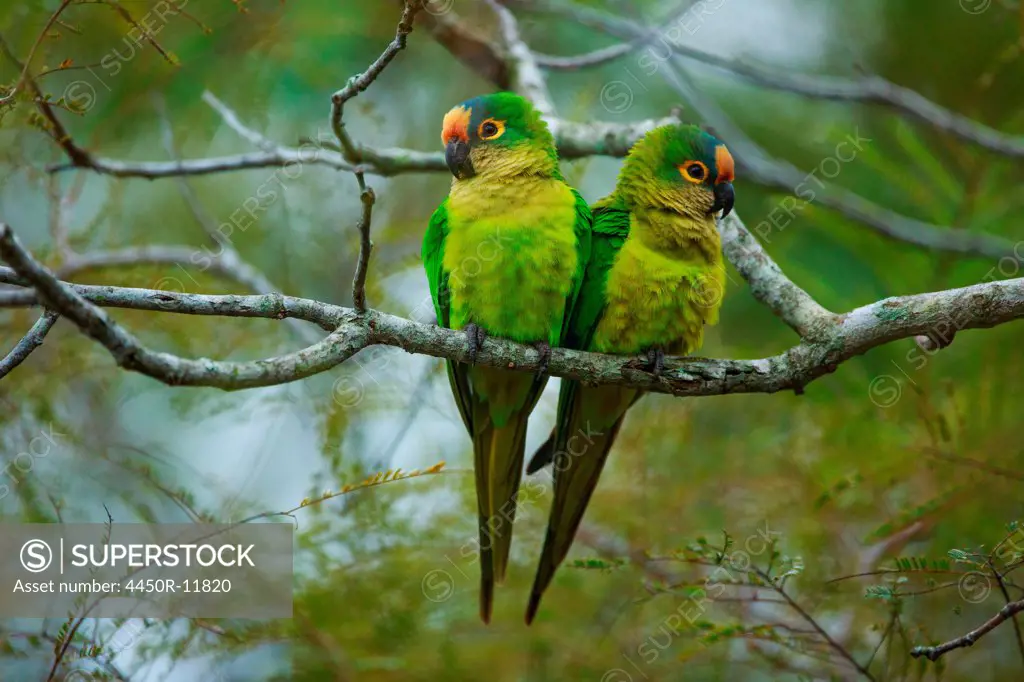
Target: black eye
point(695, 171)
point(488, 129)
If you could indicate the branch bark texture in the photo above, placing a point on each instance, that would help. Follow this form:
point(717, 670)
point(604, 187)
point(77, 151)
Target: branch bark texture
point(835, 338)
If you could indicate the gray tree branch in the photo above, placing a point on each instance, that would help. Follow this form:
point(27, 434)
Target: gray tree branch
point(467, 45)
point(527, 78)
point(866, 89)
point(574, 140)
point(768, 284)
point(835, 338)
point(32, 340)
point(933, 653)
point(761, 168)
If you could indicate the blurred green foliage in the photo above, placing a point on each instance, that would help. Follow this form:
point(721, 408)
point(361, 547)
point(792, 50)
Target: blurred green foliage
point(913, 453)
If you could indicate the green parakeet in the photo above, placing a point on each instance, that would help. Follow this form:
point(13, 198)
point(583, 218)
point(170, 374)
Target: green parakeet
point(504, 255)
point(654, 279)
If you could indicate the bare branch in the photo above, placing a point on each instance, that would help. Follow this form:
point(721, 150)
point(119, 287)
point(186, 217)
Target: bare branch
point(130, 354)
point(763, 169)
point(574, 140)
point(23, 76)
point(58, 132)
point(228, 260)
point(588, 60)
point(358, 84)
point(352, 151)
point(810, 620)
point(233, 122)
point(32, 340)
point(769, 285)
point(1006, 596)
point(771, 172)
point(265, 306)
point(865, 89)
point(463, 42)
point(365, 247)
point(577, 140)
point(151, 170)
point(528, 80)
point(978, 306)
point(933, 653)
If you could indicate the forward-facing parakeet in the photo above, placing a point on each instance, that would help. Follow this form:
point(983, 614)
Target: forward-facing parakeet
point(504, 255)
point(654, 279)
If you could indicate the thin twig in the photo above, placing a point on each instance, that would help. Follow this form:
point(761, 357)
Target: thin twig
point(358, 84)
point(758, 166)
point(528, 80)
point(836, 646)
point(865, 89)
point(588, 60)
point(365, 247)
point(932, 653)
point(32, 340)
point(58, 132)
point(1008, 599)
point(23, 76)
point(352, 151)
point(235, 123)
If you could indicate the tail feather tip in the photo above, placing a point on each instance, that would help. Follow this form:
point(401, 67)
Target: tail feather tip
point(486, 602)
point(532, 607)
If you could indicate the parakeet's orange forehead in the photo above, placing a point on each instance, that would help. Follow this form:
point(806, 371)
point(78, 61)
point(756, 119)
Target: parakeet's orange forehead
point(726, 166)
point(456, 125)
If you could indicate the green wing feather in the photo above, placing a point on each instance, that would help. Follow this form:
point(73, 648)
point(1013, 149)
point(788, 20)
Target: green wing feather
point(432, 255)
point(610, 229)
point(575, 482)
point(583, 227)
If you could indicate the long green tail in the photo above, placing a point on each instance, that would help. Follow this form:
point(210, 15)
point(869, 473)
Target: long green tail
point(501, 406)
point(498, 459)
point(583, 444)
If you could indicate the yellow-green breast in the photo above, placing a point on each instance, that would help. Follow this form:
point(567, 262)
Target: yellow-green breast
point(511, 256)
point(659, 297)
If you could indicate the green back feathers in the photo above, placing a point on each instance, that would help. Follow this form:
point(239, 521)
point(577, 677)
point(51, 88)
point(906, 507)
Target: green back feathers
point(610, 229)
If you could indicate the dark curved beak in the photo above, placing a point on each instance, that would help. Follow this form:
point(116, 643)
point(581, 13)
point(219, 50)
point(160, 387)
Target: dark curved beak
point(724, 198)
point(456, 156)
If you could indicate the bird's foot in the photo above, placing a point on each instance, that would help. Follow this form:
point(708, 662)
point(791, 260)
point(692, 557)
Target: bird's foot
point(475, 336)
point(656, 361)
point(544, 348)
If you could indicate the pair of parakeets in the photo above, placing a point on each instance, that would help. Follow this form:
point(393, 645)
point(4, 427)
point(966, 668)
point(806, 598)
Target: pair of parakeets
point(515, 252)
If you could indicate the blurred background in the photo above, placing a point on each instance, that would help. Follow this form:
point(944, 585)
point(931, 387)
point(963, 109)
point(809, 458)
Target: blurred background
point(889, 463)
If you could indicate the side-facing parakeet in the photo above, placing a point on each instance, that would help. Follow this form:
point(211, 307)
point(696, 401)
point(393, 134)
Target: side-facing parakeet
point(504, 255)
point(654, 279)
